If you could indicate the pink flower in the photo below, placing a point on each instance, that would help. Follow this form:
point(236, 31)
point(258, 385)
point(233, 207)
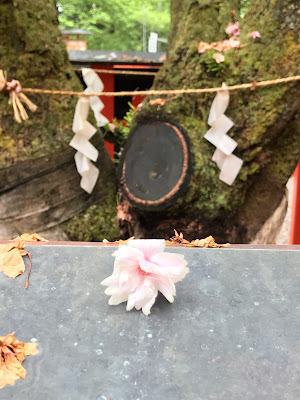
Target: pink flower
point(112, 127)
point(234, 42)
point(219, 57)
point(141, 270)
point(233, 29)
point(255, 34)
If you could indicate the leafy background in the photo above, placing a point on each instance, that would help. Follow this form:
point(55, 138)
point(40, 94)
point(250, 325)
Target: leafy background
point(116, 24)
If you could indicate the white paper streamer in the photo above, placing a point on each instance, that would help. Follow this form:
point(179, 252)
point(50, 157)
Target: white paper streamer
point(83, 130)
point(228, 163)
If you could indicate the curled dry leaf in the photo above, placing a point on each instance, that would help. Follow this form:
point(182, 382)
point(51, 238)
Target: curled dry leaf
point(12, 354)
point(118, 241)
point(31, 237)
point(11, 261)
point(178, 239)
point(207, 242)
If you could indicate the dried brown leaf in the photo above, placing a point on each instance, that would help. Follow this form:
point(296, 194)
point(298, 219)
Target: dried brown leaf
point(31, 237)
point(118, 241)
point(11, 261)
point(12, 354)
point(207, 242)
point(178, 238)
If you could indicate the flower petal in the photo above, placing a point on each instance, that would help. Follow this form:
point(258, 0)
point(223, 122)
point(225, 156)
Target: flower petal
point(148, 247)
point(127, 254)
point(108, 281)
point(167, 288)
point(143, 296)
point(147, 307)
point(117, 299)
point(167, 264)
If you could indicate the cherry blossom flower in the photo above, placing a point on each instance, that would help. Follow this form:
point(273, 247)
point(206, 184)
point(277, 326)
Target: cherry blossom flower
point(234, 42)
point(141, 270)
point(255, 34)
point(233, 29)
point(219, 57)
point(112, 127)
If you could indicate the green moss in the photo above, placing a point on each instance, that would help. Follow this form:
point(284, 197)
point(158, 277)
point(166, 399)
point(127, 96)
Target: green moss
point(8, 148)
point(32, 51)
point(98, 222)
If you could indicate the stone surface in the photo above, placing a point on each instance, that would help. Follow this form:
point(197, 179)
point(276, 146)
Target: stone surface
point(232, 332)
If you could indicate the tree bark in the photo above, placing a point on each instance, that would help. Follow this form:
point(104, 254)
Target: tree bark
point(266, 120)
point(39, 186)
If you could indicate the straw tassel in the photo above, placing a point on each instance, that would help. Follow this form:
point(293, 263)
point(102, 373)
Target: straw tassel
point(16, 98)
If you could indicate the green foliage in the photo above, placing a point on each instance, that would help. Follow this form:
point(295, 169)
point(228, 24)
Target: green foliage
point(211, 64)
point(115, 24)
point(96, 223)
point(121, 130)
point(245, 4)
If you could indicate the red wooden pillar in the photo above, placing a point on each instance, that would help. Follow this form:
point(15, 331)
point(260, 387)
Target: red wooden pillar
point(295, 217)
point(136, 100)
point(109, 103)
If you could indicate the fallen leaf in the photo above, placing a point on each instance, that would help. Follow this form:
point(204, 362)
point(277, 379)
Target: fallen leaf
point(11, 261)
point(12, 354)
point(105, 241)
point(207, 242)
point(31, 237)
point(178, 238)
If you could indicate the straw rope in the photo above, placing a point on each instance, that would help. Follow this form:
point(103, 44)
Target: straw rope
point(251, 85)
point(16, 97)
point(116, 72)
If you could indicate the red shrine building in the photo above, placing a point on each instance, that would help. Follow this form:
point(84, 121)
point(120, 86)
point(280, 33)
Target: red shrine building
point(126, 61)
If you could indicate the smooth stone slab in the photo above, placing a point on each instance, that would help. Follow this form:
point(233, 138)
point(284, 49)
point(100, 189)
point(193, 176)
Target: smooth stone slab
point(232, 332)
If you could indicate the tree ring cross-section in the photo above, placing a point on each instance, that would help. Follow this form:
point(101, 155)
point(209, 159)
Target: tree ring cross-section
point(156, 164)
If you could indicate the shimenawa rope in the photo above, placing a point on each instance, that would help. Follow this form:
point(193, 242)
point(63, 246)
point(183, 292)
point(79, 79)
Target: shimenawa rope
point(251, 85)
point(117, 72)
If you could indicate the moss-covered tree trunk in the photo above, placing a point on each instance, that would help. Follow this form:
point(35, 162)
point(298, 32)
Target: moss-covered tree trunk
point(39, 185)
point(266, 120)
